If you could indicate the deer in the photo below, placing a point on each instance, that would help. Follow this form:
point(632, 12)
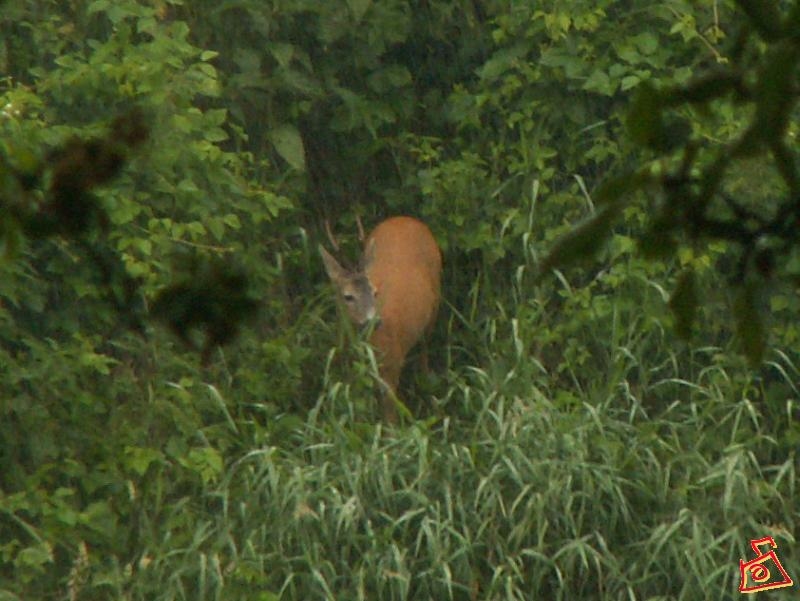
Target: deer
point(397, 285)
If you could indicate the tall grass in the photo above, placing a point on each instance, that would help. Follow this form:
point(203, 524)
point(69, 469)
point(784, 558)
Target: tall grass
point(538, 497)
point(587, 457)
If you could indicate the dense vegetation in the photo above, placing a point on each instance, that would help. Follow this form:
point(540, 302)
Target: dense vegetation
point(576, 440)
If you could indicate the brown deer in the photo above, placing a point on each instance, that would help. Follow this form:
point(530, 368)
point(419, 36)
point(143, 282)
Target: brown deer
point(398, 284)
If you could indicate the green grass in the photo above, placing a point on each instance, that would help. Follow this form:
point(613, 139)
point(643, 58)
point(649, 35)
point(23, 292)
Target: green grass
point(581, 458)
point(532, 498)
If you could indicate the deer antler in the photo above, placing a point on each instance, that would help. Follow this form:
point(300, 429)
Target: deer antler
point(331, 237)
point(361, 235)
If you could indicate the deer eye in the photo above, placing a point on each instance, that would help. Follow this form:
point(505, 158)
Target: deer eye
point(348, 298)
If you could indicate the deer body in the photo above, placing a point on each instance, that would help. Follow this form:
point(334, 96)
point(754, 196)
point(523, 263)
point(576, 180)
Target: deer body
point(398, 283)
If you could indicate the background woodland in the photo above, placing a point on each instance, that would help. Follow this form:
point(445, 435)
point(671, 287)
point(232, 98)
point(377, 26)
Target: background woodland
point(613, 408)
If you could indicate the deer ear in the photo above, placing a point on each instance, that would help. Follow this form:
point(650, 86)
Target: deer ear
point(335, 271)
point(369, 255)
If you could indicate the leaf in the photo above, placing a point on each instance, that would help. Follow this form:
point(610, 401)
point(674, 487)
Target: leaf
point(99, 517)
point(501, 61)
point(100, 363)
point(205, 461)
point(289, 144)
point(10, 238)
point(301, 83)
point(599, 81)
point(385, 80)
point(644, 120)
point(217, 228)
point(749, 325)
point(97, 6)
point(616, 188)
point(358, 8)
point(629, 54)
point(232, 221)
point(658, 242)
point(708, 86)
point(273, 203)
point(582, 241)
point(282, 53)
point(35, 557)
point(765, 17)
point(647, 43)
point(332, 26)
point(779, 302)
point(683, 303)
point(646, 124)
point(139, 459)
point(215, 134)
point(630, 81)
point(188, 186)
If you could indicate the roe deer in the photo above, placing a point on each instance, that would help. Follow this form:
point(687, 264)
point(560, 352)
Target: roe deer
point(398, 283)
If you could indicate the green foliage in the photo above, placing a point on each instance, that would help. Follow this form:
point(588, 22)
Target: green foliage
point(214, 297)
point(698, 170)
point(568, 444)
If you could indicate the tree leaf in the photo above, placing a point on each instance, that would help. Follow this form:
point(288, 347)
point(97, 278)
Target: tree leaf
point(358, 8)
point(765, 17)
point(647, 43)
point(599, 81)
point(646, 123)
point(282, 53)
point(615, 189)
point(644, 120)
point(582, 241)
point(705, 87)
point(289, 144)
point(139, 459)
